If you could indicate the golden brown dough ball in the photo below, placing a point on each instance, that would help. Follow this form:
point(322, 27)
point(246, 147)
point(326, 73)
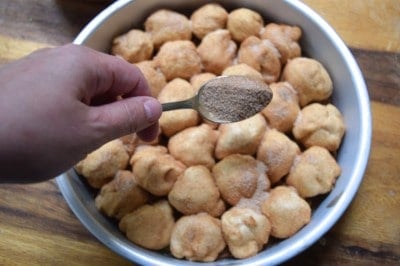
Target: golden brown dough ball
point(130, 142)
point(245, 231)
point(217, 51)
point(243, 22)
point(239, 176)
point(278, 152)
point(194, 145)
point(286, 211)
point(285, 38)
point(242, 70)
point(101, 165)
point(320, 125)
point(195, 191)
point(314, 172)
point(155, 78)
point(133, 46)
point(172, 122)
point(121, 196)
point(262, 56)
point(284, 107)
point(240, 137)
point(178, 59)
point(199, 79)
point(166, 25)
point(310, 78)
point(150, 226)
point(155, 170)
point(205, 241)
point(208, 18)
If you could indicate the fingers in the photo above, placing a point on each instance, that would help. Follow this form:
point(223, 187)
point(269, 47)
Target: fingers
point(116, 77)
point(136, 114)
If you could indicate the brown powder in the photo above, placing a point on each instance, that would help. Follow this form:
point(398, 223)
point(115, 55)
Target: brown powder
point(233, 98)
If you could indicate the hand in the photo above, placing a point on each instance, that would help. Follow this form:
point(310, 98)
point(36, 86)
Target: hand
point(58, 104)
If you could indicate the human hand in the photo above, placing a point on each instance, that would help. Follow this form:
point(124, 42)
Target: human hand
point(58, 104)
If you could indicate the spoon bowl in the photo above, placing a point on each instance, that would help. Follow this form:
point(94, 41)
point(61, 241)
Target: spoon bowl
point(227, 99)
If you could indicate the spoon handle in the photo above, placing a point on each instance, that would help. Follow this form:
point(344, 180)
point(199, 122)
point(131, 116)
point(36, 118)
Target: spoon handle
point(186, 104)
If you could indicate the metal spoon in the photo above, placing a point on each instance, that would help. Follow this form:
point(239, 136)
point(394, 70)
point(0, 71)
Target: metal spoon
point(227, 99)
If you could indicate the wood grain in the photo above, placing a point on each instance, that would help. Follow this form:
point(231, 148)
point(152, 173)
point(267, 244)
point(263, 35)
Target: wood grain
point(38, 228)
point(365, 24)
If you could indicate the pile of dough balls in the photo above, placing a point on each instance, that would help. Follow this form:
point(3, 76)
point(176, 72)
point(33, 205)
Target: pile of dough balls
point(204, 191)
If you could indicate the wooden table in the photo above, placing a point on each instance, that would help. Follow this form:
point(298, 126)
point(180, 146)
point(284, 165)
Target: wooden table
point(38, 228)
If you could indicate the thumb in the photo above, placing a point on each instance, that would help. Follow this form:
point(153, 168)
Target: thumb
point(126, 116)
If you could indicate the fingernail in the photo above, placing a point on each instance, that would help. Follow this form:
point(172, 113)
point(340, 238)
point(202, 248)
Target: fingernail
point(152, 110)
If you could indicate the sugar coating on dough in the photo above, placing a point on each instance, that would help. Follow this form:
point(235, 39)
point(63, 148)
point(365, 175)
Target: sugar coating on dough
point(101, 165)
point(285, 38)
point(194, 145)
point(283, 109)
point(242, 137)
point(239, 176)
point(155, 169)
point(150, 226)
point(245, 231)
point(133, 46)
point(278, 152)
point(205, 242)
point(208, 18)
point(319, 125)
point(244, 22)
point(166, 25)
point(310, 78)
point(261, 55)
point(172, 122)
point(286, 211)
point(195, 191)
point(217, 51)
point(121, 195)
point(314, 172)
point(178, 59)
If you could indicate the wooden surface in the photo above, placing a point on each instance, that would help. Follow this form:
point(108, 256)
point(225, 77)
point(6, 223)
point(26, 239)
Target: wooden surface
point(38, 228)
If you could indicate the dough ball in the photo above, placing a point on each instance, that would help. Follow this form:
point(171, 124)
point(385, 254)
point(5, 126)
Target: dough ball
point(217, 51)
point(178, 59)
point(286, 211)
point(278, 152)
point(101, 165)
point(150, 226)
point(285, 38)
point(320, 125)
point(121, 196)
point(155, 170)
point(310, 78)
point(199, 79)
point(133, 46)
point(243, 22)
point(172, 122)
point(245, 231)
point(262, 56)
point(155, 78)
point(197, 238)
point(208, 18)
point(194, 145)
point(195, 191)
point(284, 107)
point(240, 137)
point(314, 172)
point(240, 176)
point(242, 70)
point(165, 25)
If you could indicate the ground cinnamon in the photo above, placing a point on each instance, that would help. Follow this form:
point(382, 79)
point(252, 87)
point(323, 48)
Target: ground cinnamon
point(233, 98)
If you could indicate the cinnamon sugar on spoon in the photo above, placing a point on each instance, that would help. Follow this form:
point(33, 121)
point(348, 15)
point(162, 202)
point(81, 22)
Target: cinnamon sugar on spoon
point(227, 99)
